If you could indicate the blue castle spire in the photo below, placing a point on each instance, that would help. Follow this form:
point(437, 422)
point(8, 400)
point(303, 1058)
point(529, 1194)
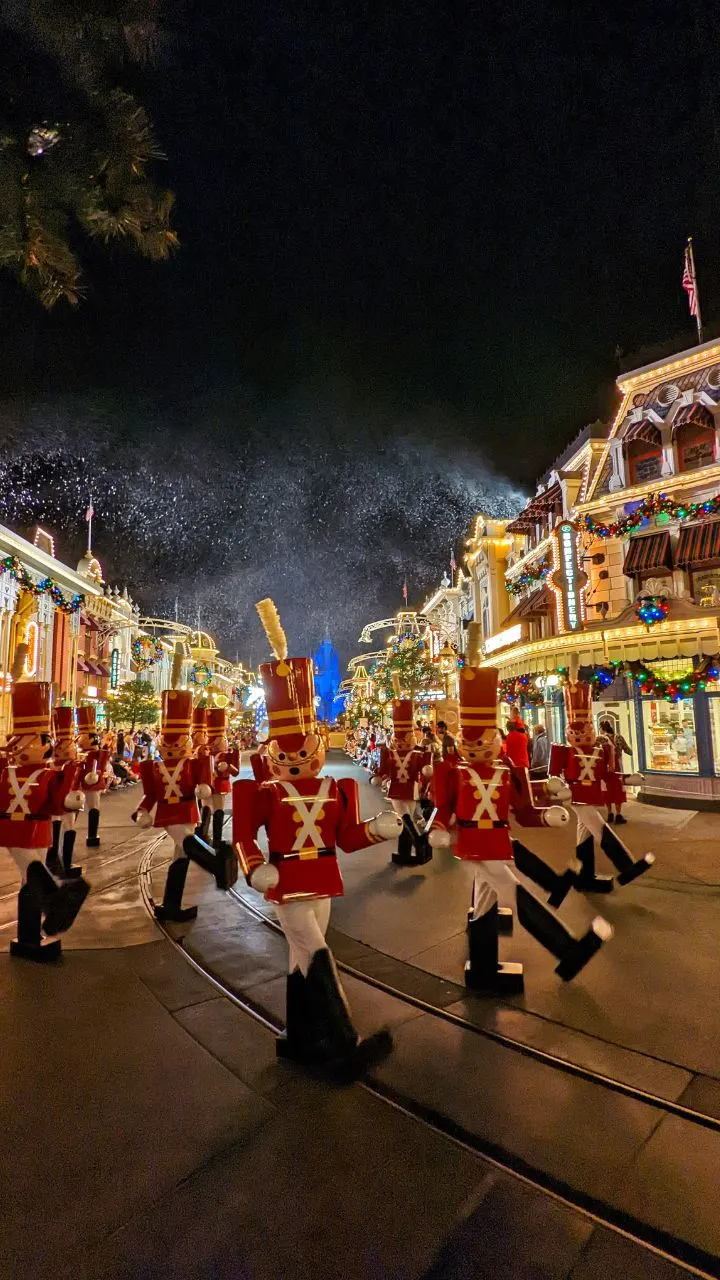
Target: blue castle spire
point(327, 678)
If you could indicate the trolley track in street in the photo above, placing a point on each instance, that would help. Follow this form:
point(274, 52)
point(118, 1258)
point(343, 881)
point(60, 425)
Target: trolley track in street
point(656, 1243)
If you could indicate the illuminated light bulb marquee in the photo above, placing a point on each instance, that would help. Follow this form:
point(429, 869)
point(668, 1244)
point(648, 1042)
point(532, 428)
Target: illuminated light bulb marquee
point(567, 580)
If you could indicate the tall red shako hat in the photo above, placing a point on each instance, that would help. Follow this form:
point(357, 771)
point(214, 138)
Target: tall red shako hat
point(216, 721)
point(402, 714)
point(289, 685)
point(175, 715)
point(578, 699)
point(86, 720)
point(30, 708)
point(64, 729)
point(199, 725)
point(478, 704)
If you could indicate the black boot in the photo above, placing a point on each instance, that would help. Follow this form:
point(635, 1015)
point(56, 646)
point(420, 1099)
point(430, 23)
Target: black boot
point(547, 929)
point(59, 904)
point(93, 841)
point(621, 858)
point(297, 1045)
point(52, 857)
point(203, 828)
point(405, 856)
point(483, 970)
point(171, 907)
point(556, 885)
point(586, 880)
point(69, 872)
point(29, 944)
point(223, 864)
point(335, 1041)
point(218, 819)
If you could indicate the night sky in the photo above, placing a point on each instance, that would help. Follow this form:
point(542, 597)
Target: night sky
point(413, 236)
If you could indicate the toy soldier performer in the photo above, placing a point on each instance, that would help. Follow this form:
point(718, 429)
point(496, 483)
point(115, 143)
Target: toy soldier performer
point(479, 794)
point(31, 791)
point(307, 818)
point(172, 785)
point(94, 771)
point(59, 859)
point(584, 766)
point(405, 767)
point(225, 763)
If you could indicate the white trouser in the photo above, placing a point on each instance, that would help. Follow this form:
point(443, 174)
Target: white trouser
point(404, 806)
point(92, 799)
point(589, 822)
point(304, 925)
point(68, 821)
point(177, 834)
point(23, 857)
point(217, 802)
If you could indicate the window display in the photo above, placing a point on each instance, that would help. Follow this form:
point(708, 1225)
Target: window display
point(714, 710)
point(670, 744)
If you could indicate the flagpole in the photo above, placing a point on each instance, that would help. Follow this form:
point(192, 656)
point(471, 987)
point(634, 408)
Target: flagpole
point(91, 513)
point(698, 316)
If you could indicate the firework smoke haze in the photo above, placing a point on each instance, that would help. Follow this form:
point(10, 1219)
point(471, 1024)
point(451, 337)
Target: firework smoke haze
point(223, 500)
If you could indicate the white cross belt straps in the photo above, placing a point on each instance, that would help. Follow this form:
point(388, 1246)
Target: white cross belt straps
point(171, 780)
point(587, 765)
point(308, 809)
point(403, 772)
point(484, 792)
point(18, 802)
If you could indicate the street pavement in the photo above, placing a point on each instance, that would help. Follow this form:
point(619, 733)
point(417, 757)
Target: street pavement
point(149, 1131)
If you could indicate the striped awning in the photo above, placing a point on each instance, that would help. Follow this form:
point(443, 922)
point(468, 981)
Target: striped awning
point(652, 551)
point(536, 605)
point(697, 413)
point(698, 543)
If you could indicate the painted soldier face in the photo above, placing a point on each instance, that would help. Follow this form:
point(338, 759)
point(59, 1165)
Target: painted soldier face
point(304, 763)
point(199, 738)
point(86, 741)
point(484, 751)
point(65, 749)
point(218, 744)
point(176, 748)
point(405, 740)
point(581, 734)
point(33, 748)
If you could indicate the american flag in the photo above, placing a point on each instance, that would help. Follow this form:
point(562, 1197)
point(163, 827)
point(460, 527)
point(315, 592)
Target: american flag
point(453, 562)
point(689, 280)
point(405, 591)
point(90, 512)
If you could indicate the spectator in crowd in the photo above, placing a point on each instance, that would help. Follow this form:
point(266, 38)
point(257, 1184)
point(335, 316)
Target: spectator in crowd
point(516, 744)
point(540, 752)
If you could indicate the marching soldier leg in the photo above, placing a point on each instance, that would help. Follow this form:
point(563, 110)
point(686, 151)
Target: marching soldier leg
point(221, 863)
point(29, 942)
point(591, 827)
point(52, 857)
point(547, 929)
point(92, 802)
point(557, 886)
point(58, 904)
point(218, 819)
point(405, 854)
point(483, 970)
point(171, 907)
point(504, 914)
point(69, 872)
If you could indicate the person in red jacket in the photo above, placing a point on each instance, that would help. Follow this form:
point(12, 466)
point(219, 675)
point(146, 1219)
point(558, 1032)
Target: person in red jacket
point(516, 744)
point(405, 768)
point(172, 785)
point(65, 758)
point(32, 789)
point(585, 765)
point(474, 805)
point(225, 766)
point(95, 771)
point(307, 817)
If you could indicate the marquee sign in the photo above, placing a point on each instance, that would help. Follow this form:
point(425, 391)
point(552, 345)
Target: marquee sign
point(114, 668)
point(567, 580)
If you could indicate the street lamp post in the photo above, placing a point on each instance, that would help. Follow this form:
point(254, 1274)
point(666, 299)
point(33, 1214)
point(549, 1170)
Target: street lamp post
point(447, 664)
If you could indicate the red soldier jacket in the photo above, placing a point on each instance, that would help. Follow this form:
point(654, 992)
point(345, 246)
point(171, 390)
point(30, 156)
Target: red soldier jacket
point(306, 821)
point(220, 780)
point(584, 771)
point(481, 797)
point(171, 787)
point(259, 766)
point(29, 796)
point(404, 769)
point(95, 761)
point(71, 769)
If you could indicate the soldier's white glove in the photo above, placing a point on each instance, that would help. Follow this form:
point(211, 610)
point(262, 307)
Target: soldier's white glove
point(559, 788)
point(376, 781)
point(555, 816)
point(91, 778)
point(74, 801)
point(264, 877)
point(203, 791)
point(387, 825)
point(634, 779)
point(222, 767)
point(439, 839)
point(143, 818)
point(427, 771)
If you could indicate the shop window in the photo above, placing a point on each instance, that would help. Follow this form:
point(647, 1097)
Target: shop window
point(669, 730)
point(706, 587)
point(714, 710)
point(644, 456)
point(694, 445)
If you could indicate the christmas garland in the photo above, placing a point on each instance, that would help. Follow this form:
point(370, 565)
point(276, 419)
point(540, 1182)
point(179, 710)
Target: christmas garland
point(523, 690)
point(146, 652)
point(201, 675)
point(651, 609)
point(46, 586)
point(535, 573)
point(655, 504)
